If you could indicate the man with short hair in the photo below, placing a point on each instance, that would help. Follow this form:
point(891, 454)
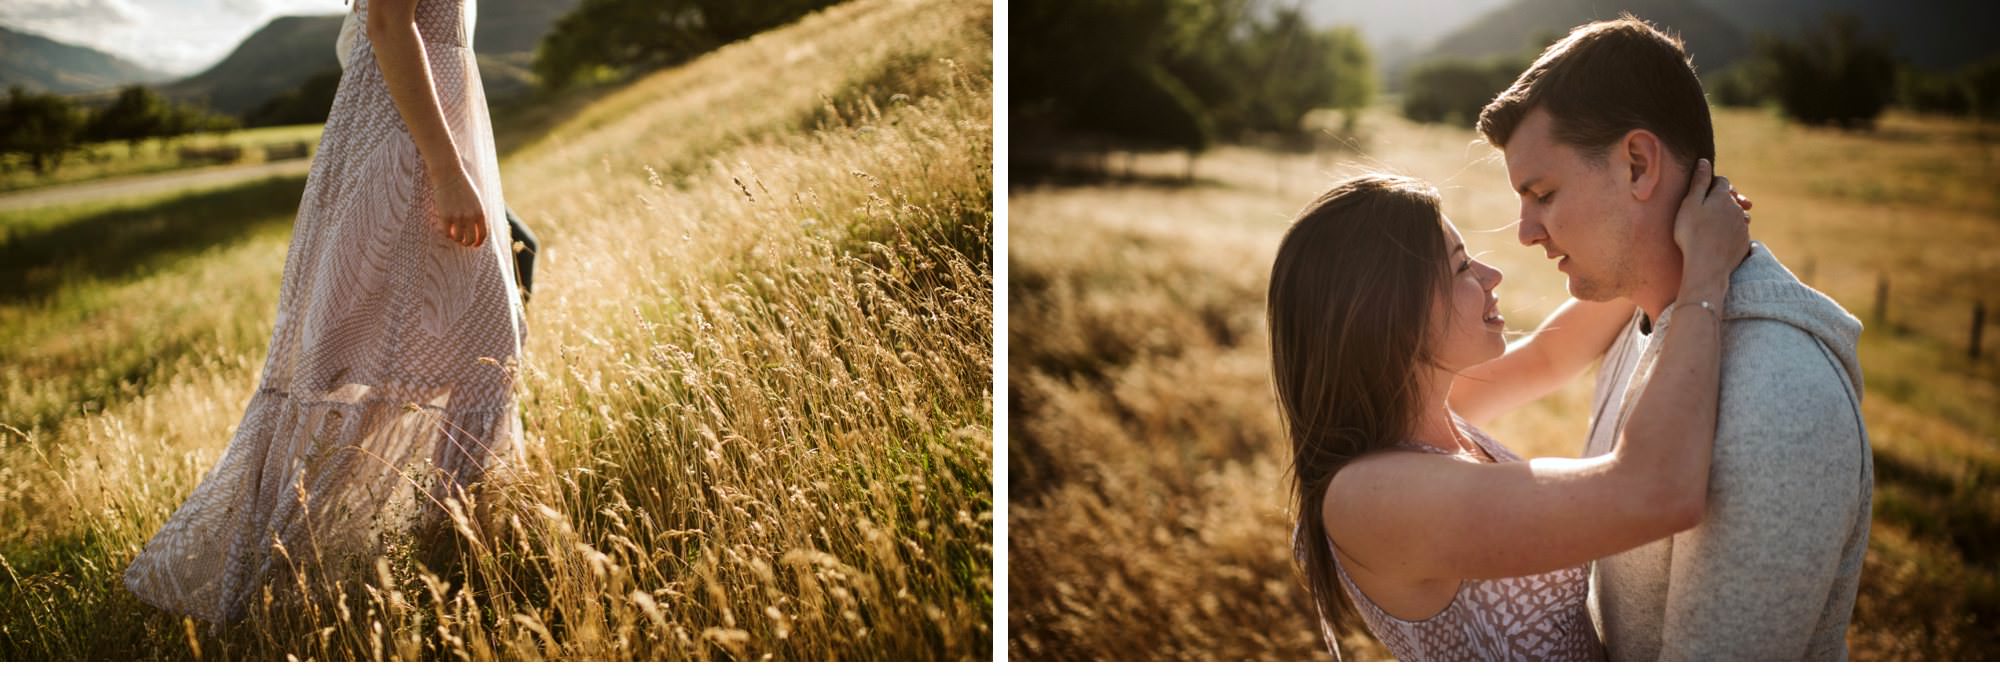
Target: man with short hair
point(1600, 136)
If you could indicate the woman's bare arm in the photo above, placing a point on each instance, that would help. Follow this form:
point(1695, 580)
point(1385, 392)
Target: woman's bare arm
point(1415, 516)
point(1566, 343)
point(399, 52)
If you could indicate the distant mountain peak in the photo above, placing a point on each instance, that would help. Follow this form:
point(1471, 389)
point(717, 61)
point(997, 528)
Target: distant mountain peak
point(289, 50)
point(42, 64)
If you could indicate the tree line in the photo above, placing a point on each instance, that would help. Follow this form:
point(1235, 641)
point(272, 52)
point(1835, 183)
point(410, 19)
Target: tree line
point(1159, 74)
point(45, 128)
point(1840, 75)
point(605, 39)
point(1835, 74)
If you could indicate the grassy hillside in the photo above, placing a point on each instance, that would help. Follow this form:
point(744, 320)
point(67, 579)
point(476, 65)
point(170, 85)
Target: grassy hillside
point(516, 26)
point(1524, 27)
point(277, 58)
point(113, 159)
point(756, 390)
point(1148, 512)
point(286, 52)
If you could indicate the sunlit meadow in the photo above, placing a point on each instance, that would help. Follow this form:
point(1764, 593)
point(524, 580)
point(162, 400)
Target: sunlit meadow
point(1148, 506)
point(757, 383)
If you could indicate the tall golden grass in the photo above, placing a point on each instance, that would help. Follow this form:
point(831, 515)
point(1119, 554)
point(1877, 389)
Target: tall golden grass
point(756, 386)
point(1148, 505)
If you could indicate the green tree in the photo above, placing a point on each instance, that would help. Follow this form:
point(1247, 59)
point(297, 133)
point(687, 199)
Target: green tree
point(1981, 82)
point(1201, 47)
point(1453, 91)
point(182, 119)
point(1938, 93)
point(1097, 68)
point(1832, 76)
point(308, 104)
point(1290, 69)
point(623, 35)
point(1176, 73)
point(135, 116)
point(42, 126)
point(1744, 84)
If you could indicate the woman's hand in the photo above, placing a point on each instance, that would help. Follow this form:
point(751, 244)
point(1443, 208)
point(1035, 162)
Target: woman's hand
point(405, 65)
point(461, 214)
point(1713, 232)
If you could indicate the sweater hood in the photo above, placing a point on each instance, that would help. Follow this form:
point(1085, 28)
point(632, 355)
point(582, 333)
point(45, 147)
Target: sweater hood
point(1763, 288)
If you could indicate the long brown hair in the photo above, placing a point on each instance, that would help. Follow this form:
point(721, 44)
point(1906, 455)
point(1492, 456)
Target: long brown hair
point(1350, 312)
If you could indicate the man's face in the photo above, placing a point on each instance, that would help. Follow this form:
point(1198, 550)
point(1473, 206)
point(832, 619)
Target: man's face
point(1576, 209)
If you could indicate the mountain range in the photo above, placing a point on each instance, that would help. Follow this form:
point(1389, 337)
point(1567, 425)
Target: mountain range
point(40, 64)
point(1937, 35)
point(275, 59)
point(278, 57)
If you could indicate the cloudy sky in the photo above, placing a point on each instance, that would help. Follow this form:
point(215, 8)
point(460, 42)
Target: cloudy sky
point(179, 37)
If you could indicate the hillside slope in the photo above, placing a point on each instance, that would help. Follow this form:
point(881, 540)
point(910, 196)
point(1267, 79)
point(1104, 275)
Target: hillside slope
point(290, 50)
point(1524, 26)
point(40, 64)
point(756, 386)
point(1930, 34)
point(275, 59)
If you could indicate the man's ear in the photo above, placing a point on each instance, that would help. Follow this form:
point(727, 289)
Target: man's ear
point(1646, 157)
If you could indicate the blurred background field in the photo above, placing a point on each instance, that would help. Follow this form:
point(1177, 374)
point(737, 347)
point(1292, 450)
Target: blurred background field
point(1148, 504)
point(111, 159)
point(757, 389)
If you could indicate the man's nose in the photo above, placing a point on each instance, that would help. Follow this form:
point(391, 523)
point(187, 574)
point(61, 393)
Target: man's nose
point(1529, 231)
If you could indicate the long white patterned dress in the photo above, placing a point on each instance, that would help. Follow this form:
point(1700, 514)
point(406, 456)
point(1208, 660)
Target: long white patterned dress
point(389, 383)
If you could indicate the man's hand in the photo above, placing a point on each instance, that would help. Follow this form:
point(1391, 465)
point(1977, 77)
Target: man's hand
point(1713, 233)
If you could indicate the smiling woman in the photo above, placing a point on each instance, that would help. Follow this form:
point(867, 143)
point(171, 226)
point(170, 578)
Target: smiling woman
point(1444, 543)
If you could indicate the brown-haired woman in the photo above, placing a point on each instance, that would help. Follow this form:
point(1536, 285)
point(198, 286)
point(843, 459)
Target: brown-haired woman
point(1447, 545)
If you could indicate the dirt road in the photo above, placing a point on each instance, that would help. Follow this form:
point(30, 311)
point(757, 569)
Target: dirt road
point(134, 186)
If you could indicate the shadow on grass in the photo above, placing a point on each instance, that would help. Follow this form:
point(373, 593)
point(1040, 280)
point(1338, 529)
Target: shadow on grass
point(1067, 175)
point(120, 242)
point(1939, 508)
point(519, 123)
point(1944, 599)
point(64, 606)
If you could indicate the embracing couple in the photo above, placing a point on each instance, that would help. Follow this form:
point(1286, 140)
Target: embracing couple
point(1721, 506)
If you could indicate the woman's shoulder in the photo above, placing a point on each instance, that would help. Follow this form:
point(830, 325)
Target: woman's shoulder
point(1391, 463)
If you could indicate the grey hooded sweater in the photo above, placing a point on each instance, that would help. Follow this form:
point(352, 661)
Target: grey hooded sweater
point(1771, 571)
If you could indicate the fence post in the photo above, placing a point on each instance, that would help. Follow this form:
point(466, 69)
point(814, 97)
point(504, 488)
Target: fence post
point(1882, 299)
point(1978, 323)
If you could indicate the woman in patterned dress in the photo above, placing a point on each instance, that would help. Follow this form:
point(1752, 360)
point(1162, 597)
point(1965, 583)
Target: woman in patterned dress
point(388, 388)
point(1446, 545)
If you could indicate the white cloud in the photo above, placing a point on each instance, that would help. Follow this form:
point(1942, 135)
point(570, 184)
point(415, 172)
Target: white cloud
point(99, 12)
point(176, 36)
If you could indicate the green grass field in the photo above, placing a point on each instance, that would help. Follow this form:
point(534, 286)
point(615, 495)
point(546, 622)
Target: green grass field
point(1148, 515)
point(757, 388)
point(110, 160)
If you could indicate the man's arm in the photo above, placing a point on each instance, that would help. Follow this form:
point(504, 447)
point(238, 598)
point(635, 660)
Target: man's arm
point(1752, 581)
point(1573, 336)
